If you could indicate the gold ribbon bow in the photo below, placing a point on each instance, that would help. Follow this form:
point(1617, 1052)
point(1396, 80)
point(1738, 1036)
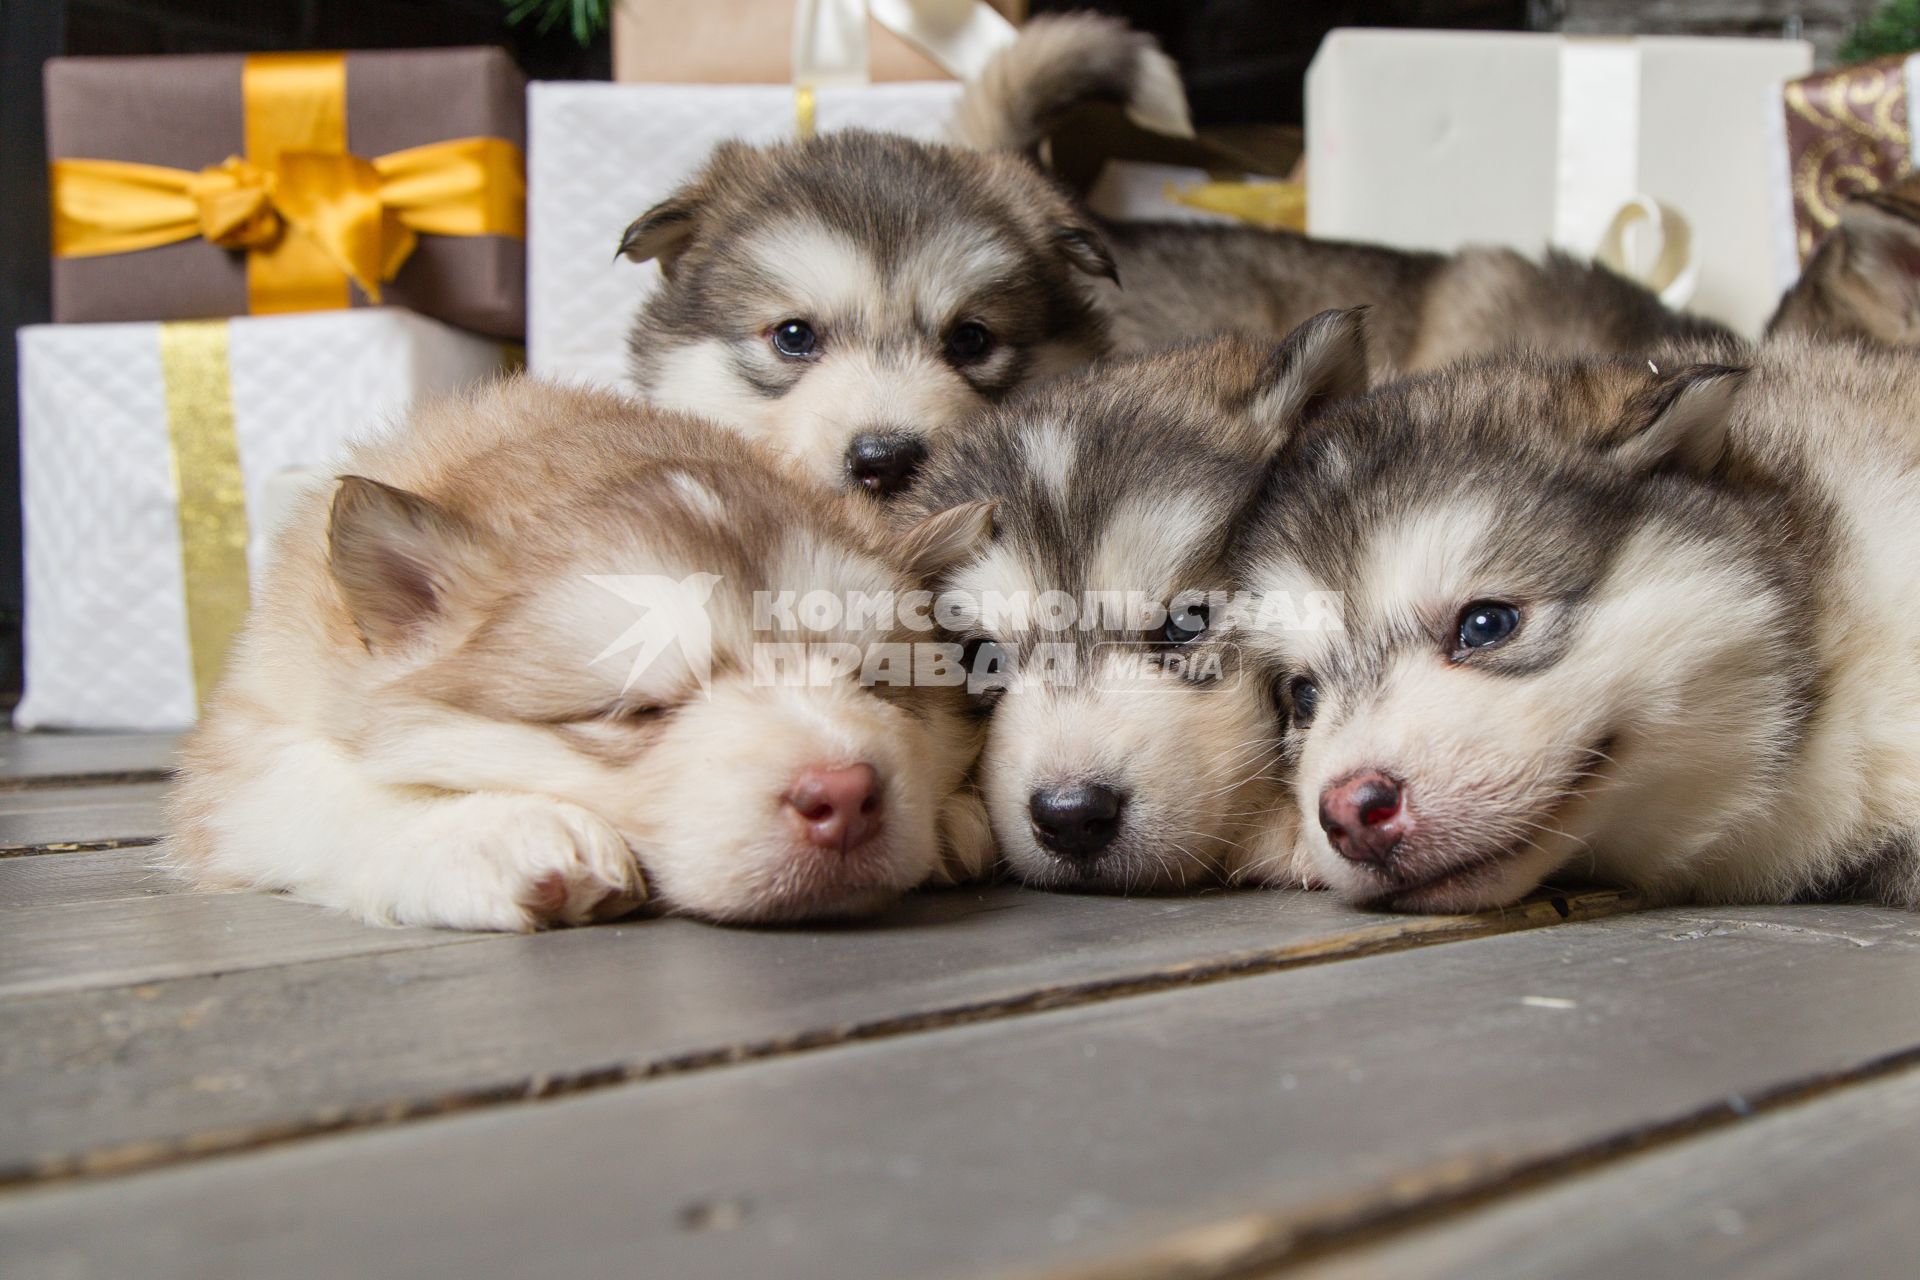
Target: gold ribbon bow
point(310, 215)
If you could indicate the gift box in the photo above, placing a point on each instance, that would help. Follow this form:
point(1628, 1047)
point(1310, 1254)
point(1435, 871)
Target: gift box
point(603, 154)
point(756, 41)
point(1435, 140)
point(1837, 135)
point(151, 457)
point(208, 186)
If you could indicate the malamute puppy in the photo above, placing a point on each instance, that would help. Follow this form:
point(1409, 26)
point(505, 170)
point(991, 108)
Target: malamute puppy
point(506, 675)
point(1126, 747)
point(1654, 626)
point(850, 298)
point(1184, 280)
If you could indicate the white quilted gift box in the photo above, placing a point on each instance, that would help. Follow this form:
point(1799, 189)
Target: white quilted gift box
point(600, 155)
point(106, 626)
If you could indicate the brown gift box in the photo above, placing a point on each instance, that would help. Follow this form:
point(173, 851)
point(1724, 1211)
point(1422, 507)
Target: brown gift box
point(743, 42)
point(1848, 133)
point(186, 112)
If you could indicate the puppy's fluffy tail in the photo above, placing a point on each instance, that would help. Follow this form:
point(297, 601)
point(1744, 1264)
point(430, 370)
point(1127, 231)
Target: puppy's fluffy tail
point(1059, 62)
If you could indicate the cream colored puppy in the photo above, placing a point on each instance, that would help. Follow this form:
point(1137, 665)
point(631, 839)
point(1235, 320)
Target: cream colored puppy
point(526, 663)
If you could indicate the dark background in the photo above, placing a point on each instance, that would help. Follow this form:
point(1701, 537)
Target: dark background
point(1244, 61)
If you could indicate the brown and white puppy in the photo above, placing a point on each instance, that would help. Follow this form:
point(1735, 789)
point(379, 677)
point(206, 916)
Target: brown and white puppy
point(851, 298)
point(1126, 746)
point(1863, 281)
point(510, 673)
point(1653, 627)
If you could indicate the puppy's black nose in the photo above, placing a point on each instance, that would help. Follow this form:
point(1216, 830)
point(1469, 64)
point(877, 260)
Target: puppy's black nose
point(1076, 823)
point(884, 463)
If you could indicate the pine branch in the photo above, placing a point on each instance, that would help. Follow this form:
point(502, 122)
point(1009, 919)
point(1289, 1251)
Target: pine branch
point(1893, 28)
point(586, 19)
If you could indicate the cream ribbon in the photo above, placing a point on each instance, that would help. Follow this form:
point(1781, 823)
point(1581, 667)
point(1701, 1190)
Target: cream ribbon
point(1599, 208)
point(1670, 269)
point(830, 37)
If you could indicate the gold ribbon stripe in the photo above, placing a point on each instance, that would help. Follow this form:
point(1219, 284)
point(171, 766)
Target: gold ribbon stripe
point(296, 107)
point(804, 107)
point(212, 497)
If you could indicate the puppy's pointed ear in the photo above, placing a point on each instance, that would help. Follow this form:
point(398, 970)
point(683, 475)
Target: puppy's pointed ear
point(1680, 422)
point(945, 538)
point(662, 231)
point(1324, 359)
point(1881, 241)
point(1863, 280)
point(397, 558)
point(1085, 249)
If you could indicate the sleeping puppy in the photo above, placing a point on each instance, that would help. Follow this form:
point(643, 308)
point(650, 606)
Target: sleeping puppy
point(514, 671)
point(851, 298)
point(1127, 746)
point(1187, 280)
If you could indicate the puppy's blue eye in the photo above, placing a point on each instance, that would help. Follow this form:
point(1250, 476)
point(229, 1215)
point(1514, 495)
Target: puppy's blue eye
point(1302, 700)
point(969, 341)
point(794, 339)
point(1486, 623)
point(1185, 623)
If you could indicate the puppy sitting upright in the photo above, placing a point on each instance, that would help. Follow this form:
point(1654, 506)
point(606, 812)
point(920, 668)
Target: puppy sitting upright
point(1655, 628)
point(1126, 746)
point(509, 675)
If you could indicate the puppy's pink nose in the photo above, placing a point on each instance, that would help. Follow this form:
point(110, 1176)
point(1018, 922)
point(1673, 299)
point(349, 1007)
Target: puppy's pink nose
point(835, 808)
point(1365, 816)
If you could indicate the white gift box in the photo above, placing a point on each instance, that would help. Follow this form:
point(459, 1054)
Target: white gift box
point(1435, 140)
point(107, 633)
point(600, 155)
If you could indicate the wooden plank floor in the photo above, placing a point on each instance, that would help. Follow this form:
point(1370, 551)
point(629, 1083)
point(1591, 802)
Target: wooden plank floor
point(982, 1082)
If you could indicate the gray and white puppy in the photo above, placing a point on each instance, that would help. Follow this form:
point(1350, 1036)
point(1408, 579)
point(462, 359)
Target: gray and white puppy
point(849, 298)
point(1125, 747)
point(852, 298)
point(1186, 280)
point(1655, 628)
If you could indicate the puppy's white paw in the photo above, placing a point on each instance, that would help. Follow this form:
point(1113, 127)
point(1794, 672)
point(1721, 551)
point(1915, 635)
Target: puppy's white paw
point(516, 863)
point(1275, 859)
